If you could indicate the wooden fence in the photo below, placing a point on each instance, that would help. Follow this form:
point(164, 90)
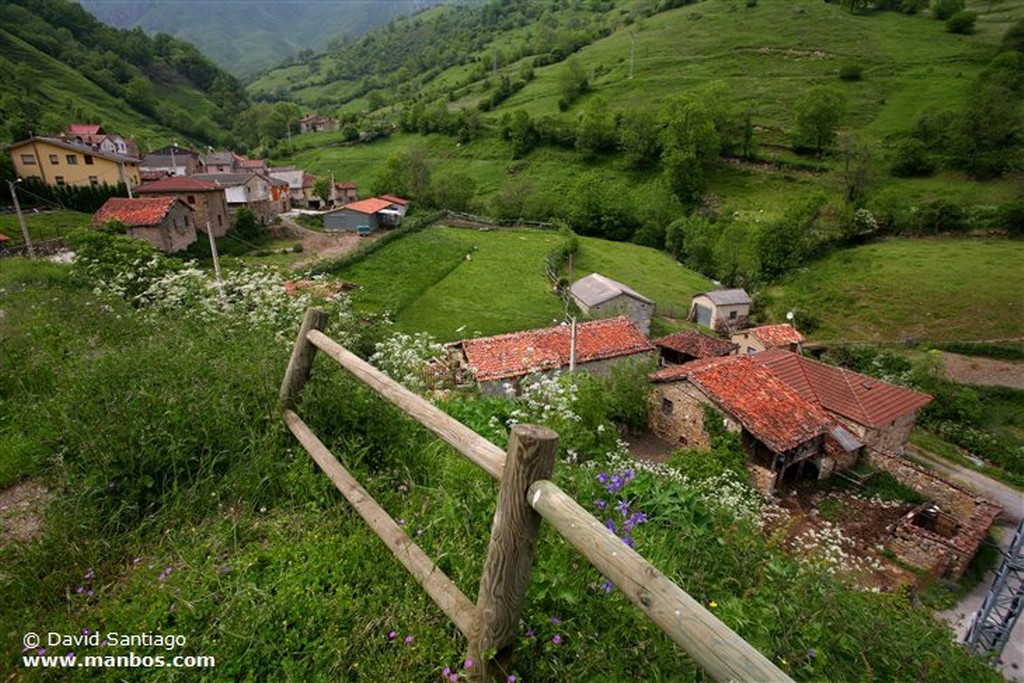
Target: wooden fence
point(525, 496)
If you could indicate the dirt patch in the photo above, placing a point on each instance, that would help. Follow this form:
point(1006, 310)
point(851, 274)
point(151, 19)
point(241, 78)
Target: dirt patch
point(987, 371)
point(649, 448)
point(843, 532)
point(21, 511)
point(317, 246)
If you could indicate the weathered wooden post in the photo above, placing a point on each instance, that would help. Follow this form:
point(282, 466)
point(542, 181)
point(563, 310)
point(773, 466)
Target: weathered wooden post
point(531, 457)
point(297, 374)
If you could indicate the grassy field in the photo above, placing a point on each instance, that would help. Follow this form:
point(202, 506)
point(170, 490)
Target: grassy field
point(457, 283)
point(928, 289)
point(45, 225)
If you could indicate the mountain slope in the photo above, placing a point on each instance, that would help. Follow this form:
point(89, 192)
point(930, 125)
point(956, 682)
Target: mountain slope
point(248, 37)
point(62, 65)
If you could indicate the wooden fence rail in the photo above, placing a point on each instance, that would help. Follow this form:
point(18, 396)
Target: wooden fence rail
point(525, 496)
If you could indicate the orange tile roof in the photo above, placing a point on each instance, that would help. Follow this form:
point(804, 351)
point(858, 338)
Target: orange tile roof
point(777, 335)
point(138, 213)
point(696, 344)
point(520, 353)
point(394, 200)
point(368, 206)
point(865, 400)
point(771, 411)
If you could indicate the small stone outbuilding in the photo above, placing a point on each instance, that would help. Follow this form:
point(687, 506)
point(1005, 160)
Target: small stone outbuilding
point(165, 222)
point(600, 296)
point(757, 339)
point(720, 310)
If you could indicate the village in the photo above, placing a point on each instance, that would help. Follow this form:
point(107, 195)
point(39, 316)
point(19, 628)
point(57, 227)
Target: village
point(814, 434)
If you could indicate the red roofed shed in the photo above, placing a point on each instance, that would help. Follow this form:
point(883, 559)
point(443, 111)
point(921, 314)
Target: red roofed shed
point(165, 222)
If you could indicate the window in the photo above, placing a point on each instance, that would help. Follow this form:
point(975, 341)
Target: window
point(72, 160)
point(54, 159)
point(220, 221)
point(60, 181)
point(732, 315)
point(666, 406)
point(191, 199)
point(88, 160)
point(28, 159)
point(94, 181)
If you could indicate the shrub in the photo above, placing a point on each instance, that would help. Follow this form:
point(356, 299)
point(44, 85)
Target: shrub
point(962, 22)
point(944, 9)
point(1011, 217)
point(913, 6)
point(851, 72)
point(912, 160)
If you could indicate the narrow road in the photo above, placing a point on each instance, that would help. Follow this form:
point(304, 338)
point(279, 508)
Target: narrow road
point(1012, 502)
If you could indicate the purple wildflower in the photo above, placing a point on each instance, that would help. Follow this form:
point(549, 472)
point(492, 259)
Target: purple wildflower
point(600, 504)
point(453, 677)
point(89, 575)
point(80, 590)
point(86, 632)
point(602, 478)
point(638, 517)
point(556, 621)
point(41, 651)
point(511, 678)
point(529, 633)
point(610, 525)
point(608, 586)
point(408, 639)
point(628, 540)
point(136, 560)
point(90, 593)
point(391, 636)
point(623, 507)
point(812, 653)
point(628, 476)
point(445, 671)
point(556, 639)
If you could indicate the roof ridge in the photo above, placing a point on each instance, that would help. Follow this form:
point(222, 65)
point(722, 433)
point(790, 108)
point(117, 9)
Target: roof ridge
point(856, 396)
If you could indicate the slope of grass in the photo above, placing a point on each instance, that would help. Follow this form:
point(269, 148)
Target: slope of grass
point(45, 225)
point(930, 289)
point(457, 283)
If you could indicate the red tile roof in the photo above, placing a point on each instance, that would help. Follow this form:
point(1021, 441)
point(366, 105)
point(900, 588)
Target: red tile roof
point(865, 400)
point(777, 335)
point(368, 206)
point(347, 185)
point(519, 353)
point(696, 344)
point(395, 200)
point(179, 184)
point(771, 411)
point(137, 213)
point(85, 129)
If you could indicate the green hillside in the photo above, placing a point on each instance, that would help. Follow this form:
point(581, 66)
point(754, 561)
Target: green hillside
point(457, 283)
point(62, 65)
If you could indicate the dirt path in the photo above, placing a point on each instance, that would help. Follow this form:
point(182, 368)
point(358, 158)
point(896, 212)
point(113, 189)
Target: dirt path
point(321, 245)
point(21, 511)
point(988, 371)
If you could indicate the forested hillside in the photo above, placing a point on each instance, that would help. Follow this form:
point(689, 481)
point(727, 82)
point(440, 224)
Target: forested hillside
point(60, 64)
point(246, 38)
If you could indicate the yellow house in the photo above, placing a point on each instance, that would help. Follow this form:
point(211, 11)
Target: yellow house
point(60, 163)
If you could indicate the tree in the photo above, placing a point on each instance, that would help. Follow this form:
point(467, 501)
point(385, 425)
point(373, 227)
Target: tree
point(322, 189)
point(962, 22)
point(406, 174)
point(638, 137)
point(857, 154)
point(944, 9)
point(684, 174)
point(596, 132)
point(518, 129)
point(572, 81)
point(818, 113)
point(247, 226)
point(454, 191)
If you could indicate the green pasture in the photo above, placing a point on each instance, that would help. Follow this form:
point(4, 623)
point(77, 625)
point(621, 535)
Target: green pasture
point(44, 225)
point(928, 289)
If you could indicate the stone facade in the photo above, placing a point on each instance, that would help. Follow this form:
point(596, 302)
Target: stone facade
point(598, 368)
point(677, 415)
point(638, 312)
point(889, 438)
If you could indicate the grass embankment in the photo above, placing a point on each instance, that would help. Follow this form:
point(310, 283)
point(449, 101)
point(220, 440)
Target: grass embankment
point(899, 289)
point(457, 283)
point(45, 225)
point(180, 505)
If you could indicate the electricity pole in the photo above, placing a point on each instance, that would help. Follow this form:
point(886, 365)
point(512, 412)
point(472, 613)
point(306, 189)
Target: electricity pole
point(21, 219)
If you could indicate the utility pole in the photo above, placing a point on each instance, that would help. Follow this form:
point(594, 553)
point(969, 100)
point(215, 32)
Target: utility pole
point(21, 219)
point(216, 260)
point(990, 631)
point(632, 53)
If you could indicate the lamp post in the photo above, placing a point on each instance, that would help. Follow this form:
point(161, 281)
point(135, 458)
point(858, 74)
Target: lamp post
point(21, 219)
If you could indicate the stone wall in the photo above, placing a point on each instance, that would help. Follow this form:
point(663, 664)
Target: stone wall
point(922, 548)
point(638, 312)
point(598, 368)
point(761, 478)
point(677, 415)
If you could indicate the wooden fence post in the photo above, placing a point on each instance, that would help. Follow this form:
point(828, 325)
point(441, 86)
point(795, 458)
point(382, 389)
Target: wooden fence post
point(506, 575)
point(297, 374)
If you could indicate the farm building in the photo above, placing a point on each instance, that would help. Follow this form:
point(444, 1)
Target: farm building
point(375, 213)
point(503, 360)
point(682, 347)
point(785, 436)
point(401, 205)
point(205, 197)
point(723, 309)
point(880, 414)
point(757, 339)
point(165, 222)
point(599, 296)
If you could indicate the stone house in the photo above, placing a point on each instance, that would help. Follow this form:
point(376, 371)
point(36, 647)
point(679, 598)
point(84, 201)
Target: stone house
point(220, 162)
point(300, 186)
point(785, 436)
point(500, 362)
point(248, 189)
point(600, 296)
point(62, 163)
point(683, 347)
point(723, 309)
point(881, 415)
point(757, 339)
point(165, 222)
point(345, 193)
point(374, 213)
point(205, 197)
point(313, 123)
point(171, 160)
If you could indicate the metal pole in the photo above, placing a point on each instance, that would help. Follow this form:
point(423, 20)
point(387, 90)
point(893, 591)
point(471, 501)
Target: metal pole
point(21, 219)
point(216, 260)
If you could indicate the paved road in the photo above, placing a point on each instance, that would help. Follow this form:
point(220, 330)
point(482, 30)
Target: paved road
point(1012, 501)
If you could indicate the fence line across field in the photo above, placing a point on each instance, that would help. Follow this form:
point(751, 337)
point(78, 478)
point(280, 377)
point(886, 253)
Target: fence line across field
point(525, 497)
